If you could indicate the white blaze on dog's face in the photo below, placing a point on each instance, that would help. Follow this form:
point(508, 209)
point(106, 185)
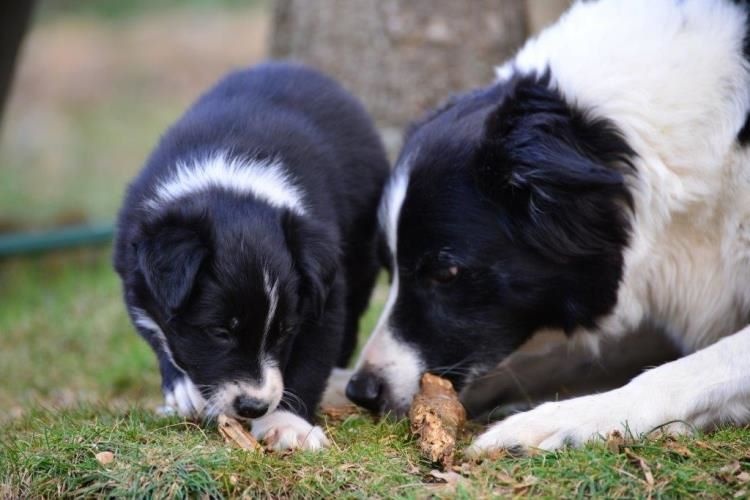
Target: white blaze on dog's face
point(388, 371)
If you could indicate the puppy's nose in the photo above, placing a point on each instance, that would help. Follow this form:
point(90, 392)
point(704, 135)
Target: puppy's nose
point(365, 389)
point(248, 407)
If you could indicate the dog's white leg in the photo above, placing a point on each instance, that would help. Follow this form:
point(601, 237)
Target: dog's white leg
point(699, 391)
point(283, 430)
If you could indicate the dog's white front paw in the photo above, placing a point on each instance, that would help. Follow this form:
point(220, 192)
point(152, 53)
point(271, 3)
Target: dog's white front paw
point(183, 398)
point(283, 430)
point(576, 421)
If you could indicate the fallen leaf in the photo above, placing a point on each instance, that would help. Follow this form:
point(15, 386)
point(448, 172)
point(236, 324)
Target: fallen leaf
point(740, 494)
point(235, 433)
point(730, 473)
point(525, 484)
point(465, 469)
point(615, 441)
point(677, 448)
point(505, 478)
point(641, 462)
point(233, 479)
point(105, 457)
point(449, 477)
point(706, 446)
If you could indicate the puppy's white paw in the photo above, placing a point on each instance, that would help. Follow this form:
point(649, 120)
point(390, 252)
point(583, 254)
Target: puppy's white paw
point(574, 422)
point(283, 430)
point(184, 399)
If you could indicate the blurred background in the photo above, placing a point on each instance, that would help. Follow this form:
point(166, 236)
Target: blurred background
point(97, 81)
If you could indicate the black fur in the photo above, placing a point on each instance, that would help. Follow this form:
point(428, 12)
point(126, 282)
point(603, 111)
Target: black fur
point(526, 198)
point(196, 263)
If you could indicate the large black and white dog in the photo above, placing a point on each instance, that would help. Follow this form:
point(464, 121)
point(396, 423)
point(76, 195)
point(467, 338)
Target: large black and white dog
point(247, 247)
point(601, 183)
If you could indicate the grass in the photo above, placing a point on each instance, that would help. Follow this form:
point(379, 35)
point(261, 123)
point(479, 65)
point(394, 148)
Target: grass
point(77, 380)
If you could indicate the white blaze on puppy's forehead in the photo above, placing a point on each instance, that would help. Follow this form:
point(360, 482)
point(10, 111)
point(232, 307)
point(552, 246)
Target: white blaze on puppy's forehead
point(264, 179)
point(269, 389)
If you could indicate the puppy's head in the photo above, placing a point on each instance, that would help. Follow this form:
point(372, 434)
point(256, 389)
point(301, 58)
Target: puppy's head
point(506, 213)
point(231, 286)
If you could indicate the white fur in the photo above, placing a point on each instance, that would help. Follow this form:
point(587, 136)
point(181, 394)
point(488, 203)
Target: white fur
point(264, 179)
point(393, 199)
point(702, 390)
point(184, 398)
point(142, 319)
point(272, 292)
point(283, 430)
point(270, 390)
point(671, 75)
point(397, 363)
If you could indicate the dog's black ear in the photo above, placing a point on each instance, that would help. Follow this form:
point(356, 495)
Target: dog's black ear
point(549, 163)
point(535, 141)
point(170, 260)
point(316, 258)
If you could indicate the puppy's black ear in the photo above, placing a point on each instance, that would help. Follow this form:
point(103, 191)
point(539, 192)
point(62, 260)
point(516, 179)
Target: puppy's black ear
point(170, 260)
point(551, 164)
point(316, 258)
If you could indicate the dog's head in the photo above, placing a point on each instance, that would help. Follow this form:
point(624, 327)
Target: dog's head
point(231, 285)
point(507, 212)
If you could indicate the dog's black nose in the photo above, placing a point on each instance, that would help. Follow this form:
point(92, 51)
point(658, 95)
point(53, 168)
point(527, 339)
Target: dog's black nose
point(365, 389)
point(248, 407)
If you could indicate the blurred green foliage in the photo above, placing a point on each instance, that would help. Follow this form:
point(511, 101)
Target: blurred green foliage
point(121, 9)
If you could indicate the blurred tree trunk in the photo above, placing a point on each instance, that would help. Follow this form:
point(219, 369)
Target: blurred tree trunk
point(401, 57)
point(15, 18)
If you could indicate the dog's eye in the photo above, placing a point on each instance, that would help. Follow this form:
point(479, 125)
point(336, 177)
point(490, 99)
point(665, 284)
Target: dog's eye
point(444, 275)
point(233, 324)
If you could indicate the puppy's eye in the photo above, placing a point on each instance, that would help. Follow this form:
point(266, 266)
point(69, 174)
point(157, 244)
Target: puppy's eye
point(233, 324)
point(444, 275)
point(221, 334)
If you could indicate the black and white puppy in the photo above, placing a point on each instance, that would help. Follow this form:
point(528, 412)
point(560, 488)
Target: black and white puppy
point(247, 247)
point(602, 183)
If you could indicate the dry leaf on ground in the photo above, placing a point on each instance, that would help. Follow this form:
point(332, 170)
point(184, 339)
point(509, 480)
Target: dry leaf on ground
point(235, 433)
point(448, 477)
point(648, 476)
point(615, 441)
point(677, 448)
point(105, 457)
